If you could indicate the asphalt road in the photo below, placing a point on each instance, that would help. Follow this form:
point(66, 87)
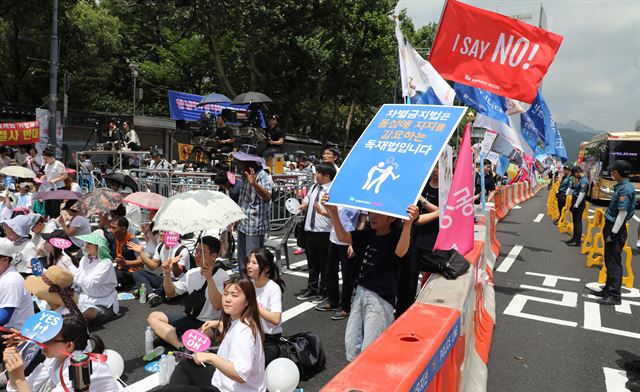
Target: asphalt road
point(550, 334)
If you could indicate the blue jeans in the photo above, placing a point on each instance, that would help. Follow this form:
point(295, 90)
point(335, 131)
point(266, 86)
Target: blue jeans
point(246, 245)
point(370, 316)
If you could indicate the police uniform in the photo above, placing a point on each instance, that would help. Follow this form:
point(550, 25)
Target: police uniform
point(582, 186)
point(623, 198)
point(561, 195)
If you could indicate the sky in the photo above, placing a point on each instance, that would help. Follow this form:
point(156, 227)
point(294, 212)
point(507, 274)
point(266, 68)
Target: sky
point(595, 77)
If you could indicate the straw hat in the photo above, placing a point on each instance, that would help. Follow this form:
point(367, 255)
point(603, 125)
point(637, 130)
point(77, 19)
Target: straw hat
point(41, 286)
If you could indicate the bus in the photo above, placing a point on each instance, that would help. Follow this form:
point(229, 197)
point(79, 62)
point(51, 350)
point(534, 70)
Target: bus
point(596, 157)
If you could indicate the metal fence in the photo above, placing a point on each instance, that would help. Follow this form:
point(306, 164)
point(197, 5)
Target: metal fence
point(287, 186)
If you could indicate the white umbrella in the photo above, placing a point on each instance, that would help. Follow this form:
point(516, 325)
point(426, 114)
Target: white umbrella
point(17, 171)
point(194, 211)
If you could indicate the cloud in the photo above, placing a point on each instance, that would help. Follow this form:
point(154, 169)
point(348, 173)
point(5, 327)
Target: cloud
point(595, 77)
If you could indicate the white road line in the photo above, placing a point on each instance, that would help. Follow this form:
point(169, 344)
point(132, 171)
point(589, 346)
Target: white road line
point(297, 310)
point(298, 264)
point(636, 218)
point(615, 379)
point(296, 273)
point(511, 257)
point(517, 207)
point(538, 218)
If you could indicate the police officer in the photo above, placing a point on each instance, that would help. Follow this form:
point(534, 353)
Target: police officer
point(561, 195)
point(579, 195)
point(621, 209)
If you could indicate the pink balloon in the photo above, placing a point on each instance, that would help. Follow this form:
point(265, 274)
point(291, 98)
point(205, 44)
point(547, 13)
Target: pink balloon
point(196, 341)
point(171, 239)
point(60, 243)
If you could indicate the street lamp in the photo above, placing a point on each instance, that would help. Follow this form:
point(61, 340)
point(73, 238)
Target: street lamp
point(134, 74)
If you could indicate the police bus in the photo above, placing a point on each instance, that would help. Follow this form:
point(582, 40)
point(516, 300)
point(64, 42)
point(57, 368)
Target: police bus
point(596, 156)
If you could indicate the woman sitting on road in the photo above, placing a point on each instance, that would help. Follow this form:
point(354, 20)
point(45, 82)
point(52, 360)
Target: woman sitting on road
point(72, 338)
point(239, 364)
point(269, 286)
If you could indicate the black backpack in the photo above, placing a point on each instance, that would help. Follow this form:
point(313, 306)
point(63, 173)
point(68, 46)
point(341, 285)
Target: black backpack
point(306, 351)
point(192, 259)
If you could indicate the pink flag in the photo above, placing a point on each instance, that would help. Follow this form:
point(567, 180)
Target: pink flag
point(456, 226)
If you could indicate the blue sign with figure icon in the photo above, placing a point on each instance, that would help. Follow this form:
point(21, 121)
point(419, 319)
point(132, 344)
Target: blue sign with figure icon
point(42, 326)
point(390, 163)
point(36, 267)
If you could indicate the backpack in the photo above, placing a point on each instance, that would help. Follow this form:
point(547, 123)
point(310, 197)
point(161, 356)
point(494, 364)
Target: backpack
point(192, 259)
point(305, 350)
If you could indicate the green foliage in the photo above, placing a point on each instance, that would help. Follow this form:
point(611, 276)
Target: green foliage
point(314, 58)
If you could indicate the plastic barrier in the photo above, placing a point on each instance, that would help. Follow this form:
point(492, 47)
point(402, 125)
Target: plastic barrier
point(628, 278)
point(597, 222)
point(511, 197)
point(501, 211)
point(585, 212)
point(564, 225)
point(426, 351)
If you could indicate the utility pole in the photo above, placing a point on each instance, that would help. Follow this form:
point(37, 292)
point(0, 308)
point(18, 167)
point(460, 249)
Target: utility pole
point(53, 76)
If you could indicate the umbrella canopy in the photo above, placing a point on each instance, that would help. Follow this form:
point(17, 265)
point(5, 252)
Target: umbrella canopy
point(100, 200)
point(195, 211)
point(148, 200)
point(60, 194)
point(252, 97)
point(18, 171)
point(214, 98)
point(123, 180)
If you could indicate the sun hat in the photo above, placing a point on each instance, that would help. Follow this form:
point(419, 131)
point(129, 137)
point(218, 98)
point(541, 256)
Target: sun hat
point(54, 284)
point(248, 153)
point(97, 238)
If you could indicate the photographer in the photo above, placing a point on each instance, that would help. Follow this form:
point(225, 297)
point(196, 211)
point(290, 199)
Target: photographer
point(224, 133)
point(275, 137)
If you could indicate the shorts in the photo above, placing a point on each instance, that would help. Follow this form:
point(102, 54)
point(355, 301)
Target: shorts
point(182, 323)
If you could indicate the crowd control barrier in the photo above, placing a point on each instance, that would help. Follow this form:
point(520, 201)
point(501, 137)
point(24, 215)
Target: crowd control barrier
point(451, 319)
point(596, 222)
point(565, 224)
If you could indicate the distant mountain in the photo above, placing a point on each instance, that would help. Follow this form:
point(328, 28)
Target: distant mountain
point(573, 137)
point(578, 127)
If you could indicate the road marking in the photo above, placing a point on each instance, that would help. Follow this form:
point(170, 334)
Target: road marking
point(636, 218)
point(511, 257)
point(298, 264)
point(538, 218)
point(593, 321)
point(517, 207)
point(615, 379)
point(296, 310)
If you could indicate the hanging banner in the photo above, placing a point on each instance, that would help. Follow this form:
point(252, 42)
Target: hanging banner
point(397, 151)
point(16, 133)
point(184, 106)
point(493, 52)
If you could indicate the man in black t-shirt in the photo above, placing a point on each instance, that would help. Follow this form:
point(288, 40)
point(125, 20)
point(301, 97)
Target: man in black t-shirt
point(224, 134)
point(489, 184)
point(275, 137)
point(380, 250)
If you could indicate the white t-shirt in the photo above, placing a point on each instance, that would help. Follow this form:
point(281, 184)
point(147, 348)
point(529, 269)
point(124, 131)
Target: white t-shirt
point(168, 253)
point(47, 376)
point(23, 253)
point(55, 170)
point(84, 227)
point(270, 297)
point(75, 187)
point(245, 352)
point(23, 200)
point(96, 281)
point(21, 157)
point(14, 295)
point(193, 280)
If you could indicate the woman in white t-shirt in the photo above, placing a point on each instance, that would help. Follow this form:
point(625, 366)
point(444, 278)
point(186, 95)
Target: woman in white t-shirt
point(72, 338)
point(53, 178)
point(239, 363)
point(265, 275)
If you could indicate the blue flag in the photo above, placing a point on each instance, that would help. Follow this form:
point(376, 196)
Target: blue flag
point(538, 120)
point(561, 151)
point(503, 165)
point(491, 105)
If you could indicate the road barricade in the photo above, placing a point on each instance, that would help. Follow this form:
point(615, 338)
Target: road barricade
point(628, 278)
point(501, 211)
point(511, 197)
point(594, 223)
point(565, 224)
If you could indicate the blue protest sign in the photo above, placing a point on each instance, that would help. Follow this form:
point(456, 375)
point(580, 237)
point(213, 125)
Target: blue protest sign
point(36, 267)
point(42, 326)
point(391, 162)
point(152, 367)
point(184, 106)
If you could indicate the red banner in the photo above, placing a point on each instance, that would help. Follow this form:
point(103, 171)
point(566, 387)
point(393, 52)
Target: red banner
point(12, 134)
point(493, 52)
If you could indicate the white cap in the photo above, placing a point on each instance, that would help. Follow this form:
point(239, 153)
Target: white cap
point(6, 247)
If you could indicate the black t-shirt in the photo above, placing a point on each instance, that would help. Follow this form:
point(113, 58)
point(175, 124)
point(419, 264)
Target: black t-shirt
point(224, 133)
point(275, 134)
point(379, 265)
point(424, 236)
point(489, 185)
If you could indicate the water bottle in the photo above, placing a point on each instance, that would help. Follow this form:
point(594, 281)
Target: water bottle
point(154, 354)
point(143, 293)
point(171, 365)
point(163, 370)
point(148, 340)
point(80, 372)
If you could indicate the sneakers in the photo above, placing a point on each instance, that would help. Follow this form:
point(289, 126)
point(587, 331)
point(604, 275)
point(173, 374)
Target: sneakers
point(318, 299)
point(326, 307)
point(308, 294)
point(340, 314)
point(298, 293)
point(155, 300)
point(609, 300)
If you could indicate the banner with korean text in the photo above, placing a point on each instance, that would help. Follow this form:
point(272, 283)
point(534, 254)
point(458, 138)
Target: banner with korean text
point(493, 52)
point(456, 224)
point(16, 133)
point(390, 163)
